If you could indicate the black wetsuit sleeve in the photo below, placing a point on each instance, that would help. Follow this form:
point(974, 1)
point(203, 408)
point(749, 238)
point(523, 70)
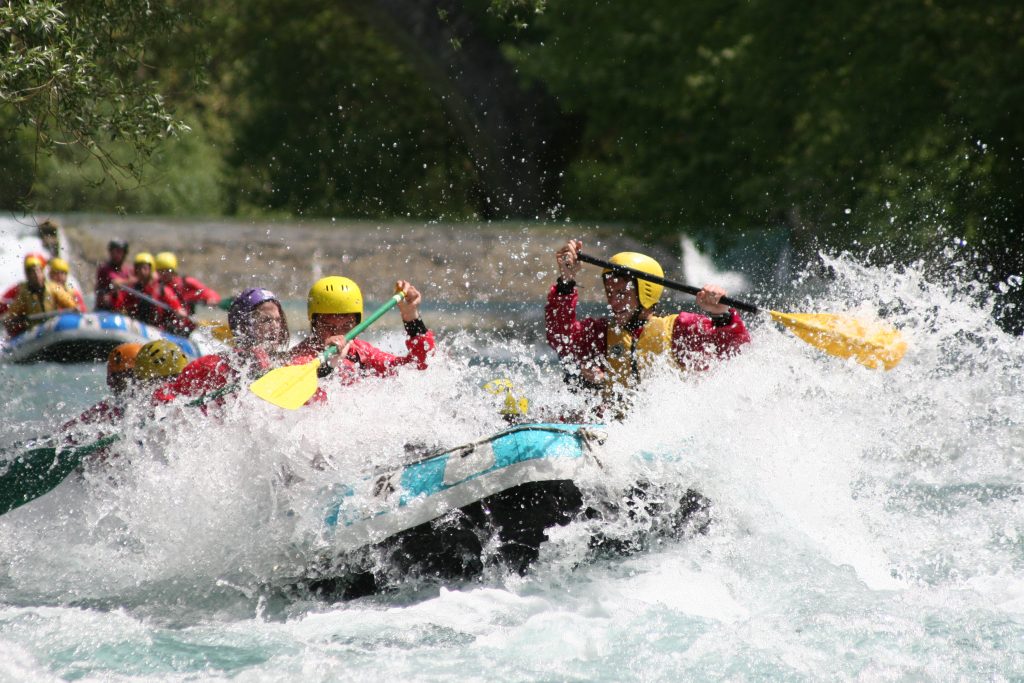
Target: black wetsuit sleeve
point(415, 328)
point(565, 287)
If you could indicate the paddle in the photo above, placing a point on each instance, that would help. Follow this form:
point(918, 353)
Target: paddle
point(291, 386)
point(871, 343)
point(155, 302)
point(50, 314)
point(40, 470)
point(220, 330)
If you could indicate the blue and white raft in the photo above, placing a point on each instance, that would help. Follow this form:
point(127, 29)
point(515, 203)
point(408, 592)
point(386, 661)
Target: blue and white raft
point(85, 337)
point(448, 515)
point(421, 491)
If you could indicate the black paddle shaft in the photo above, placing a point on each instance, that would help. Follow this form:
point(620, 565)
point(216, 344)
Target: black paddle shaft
point(156, 302)
point(640, 275)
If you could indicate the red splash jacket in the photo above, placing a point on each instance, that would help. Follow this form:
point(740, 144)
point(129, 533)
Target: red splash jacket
point(210, 373)
point(591, 342)
point(143, 310)
point(191, 292)
point(364, 358)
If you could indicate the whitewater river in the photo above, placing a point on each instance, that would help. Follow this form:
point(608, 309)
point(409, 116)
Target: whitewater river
point(867, 525)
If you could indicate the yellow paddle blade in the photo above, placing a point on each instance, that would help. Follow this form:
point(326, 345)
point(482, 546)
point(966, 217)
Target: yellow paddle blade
point(221, 332)
point(288, 387)
point(218, 330)
point(870, 342)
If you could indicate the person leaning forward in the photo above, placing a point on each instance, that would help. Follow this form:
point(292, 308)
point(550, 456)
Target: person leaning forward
point(260, 336)
point(613, 352)
point(188, 289)
point(167, 313)
point(335, 307)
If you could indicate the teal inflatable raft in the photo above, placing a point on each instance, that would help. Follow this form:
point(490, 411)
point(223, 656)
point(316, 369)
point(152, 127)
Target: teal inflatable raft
point(447, 515)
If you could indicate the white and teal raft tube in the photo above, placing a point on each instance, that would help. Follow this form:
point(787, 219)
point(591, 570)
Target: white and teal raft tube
point(415, 493)
point(447, 515)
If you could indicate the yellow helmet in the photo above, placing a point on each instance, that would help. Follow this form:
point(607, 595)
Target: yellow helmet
point(334, 295)
point(165, 260)
point(159, 359)
point(144, 257)
point(59, 265)
point(647, 292)
point(33, 261)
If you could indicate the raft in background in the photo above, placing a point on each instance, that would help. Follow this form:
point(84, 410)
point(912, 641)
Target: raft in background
point(18, 238)
point(449, 515)
point(74, 337)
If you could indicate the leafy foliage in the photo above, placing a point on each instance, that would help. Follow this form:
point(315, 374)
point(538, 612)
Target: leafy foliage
point(328, 120)
point(76, 74)
point(876, 122)
point(852, 120)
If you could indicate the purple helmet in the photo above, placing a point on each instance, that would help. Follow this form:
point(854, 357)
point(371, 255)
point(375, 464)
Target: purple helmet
point(245, 303)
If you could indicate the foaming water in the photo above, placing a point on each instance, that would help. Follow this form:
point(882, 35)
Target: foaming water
point(865, 524)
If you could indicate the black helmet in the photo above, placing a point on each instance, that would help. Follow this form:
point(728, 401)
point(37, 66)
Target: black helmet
point(118, 243)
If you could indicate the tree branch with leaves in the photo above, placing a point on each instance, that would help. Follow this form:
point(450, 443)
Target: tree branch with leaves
point(77, 75)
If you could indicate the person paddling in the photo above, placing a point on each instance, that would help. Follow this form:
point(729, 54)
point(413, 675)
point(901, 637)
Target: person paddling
point(130, 371)
point(261, 336)
point(111, 273)
point(613, 353)
point(189, 290)
point(59, 273)
point(169, 316)
point(335, 307)
point(36, 295)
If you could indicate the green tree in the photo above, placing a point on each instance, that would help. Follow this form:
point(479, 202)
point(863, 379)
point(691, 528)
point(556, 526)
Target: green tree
point(77, 74)
point(882, 123)
point(328, 120)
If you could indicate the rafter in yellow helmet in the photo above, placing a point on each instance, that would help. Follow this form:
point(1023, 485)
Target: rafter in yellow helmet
point(166, 260)
point(334, 295)
point(647, 292)
point(159, 359)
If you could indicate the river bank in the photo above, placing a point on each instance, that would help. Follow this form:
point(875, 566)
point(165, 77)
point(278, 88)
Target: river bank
point(455, 263)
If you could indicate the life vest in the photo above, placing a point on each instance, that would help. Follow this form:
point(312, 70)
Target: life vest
point(50, 298)
point(627, 357)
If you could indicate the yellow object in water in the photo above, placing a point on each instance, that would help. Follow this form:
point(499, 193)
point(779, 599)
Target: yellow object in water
point(218, 330)
point(871, 343)
point(513, 406)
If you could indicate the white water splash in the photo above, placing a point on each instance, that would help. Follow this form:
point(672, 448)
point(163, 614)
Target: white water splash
point(865, 523)
point(700, 270)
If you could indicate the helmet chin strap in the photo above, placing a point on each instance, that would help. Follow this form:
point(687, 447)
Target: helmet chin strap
point(636, 321)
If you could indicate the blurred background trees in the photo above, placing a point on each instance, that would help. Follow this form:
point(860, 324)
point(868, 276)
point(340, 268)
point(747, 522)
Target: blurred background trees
point(862, 124)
